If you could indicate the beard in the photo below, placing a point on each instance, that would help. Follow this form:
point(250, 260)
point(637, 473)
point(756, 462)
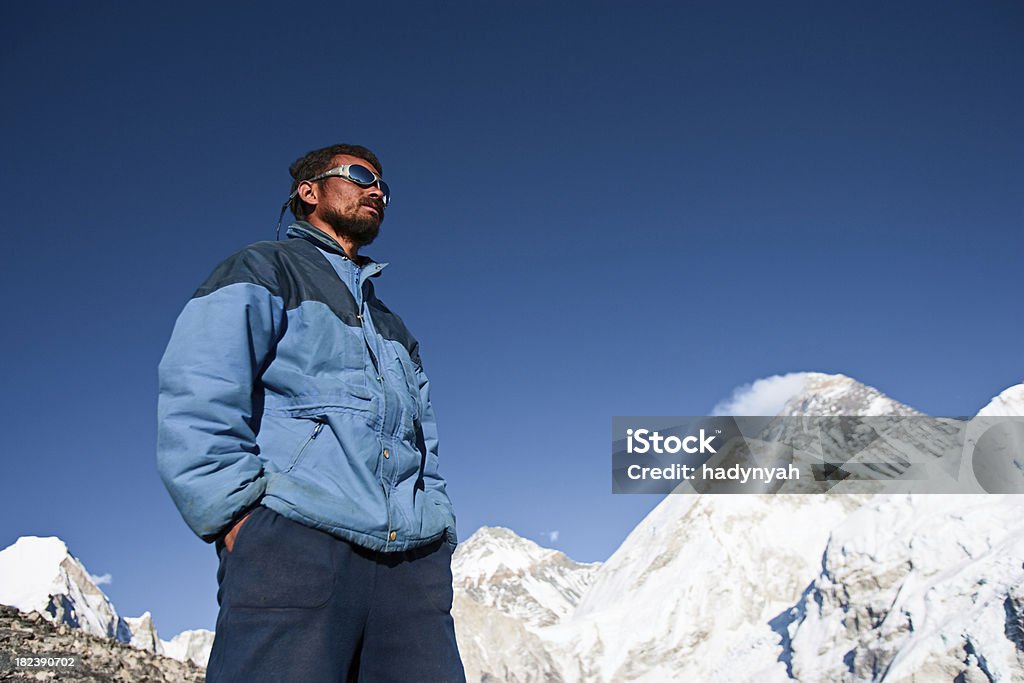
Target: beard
point(361, 229)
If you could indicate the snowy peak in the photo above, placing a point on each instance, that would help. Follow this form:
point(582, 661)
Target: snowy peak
point(497, 568)
point(191, 646)
point(39, 574)
point(1009, 402)
point(144, 634)
point(497, 550)
point(28, 569)
point(824, 394)
point(507, 591)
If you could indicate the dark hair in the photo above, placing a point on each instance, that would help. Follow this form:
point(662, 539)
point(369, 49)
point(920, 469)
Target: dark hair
point(316, 162)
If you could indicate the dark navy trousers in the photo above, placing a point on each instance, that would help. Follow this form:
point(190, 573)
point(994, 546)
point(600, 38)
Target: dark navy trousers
point(298, 604)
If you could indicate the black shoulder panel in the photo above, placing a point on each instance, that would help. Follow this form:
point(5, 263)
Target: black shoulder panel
point(294, 270)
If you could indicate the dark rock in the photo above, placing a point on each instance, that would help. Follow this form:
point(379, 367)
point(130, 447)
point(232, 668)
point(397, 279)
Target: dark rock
point(96, 660)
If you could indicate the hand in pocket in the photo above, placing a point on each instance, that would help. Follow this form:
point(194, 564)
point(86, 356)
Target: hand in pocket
point(229, 538)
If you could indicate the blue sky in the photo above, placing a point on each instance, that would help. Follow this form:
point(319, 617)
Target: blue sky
point(599, 209)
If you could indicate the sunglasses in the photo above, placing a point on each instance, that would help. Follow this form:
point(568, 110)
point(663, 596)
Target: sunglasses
point(360, 175)
point(354, 173)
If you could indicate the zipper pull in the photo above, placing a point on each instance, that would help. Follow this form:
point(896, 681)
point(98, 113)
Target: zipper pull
point(316, 430)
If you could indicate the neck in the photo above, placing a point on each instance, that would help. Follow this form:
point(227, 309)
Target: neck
point(351, 248)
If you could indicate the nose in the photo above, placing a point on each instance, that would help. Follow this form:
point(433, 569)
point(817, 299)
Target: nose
point(377, 193)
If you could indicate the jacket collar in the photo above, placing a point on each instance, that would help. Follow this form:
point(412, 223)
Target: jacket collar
point(306, 231)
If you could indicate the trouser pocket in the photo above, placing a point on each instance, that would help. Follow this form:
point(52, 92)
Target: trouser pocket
point(277, 563)
point(437, 576)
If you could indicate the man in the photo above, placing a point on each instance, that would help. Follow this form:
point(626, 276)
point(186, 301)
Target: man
point(296, 431)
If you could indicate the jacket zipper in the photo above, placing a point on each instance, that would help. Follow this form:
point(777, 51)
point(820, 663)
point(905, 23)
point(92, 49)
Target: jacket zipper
point(364, 311)
point(298, 456)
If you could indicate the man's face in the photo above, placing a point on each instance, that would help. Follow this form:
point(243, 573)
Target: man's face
point(352, 211)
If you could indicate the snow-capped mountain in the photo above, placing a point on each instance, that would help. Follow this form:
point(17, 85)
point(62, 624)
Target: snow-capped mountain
point(1008, 402)
point(883, 446)
point(189, 646)
point(924, 588)
point(535, 585)
point(41, 575)
point(507, 587)
point(771, 588)
point(824, 394)
point(696, 585)
point(143, 633)
point(766, 588)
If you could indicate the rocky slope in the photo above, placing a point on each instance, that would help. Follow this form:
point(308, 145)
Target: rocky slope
point(39, 575)
point(98, 659)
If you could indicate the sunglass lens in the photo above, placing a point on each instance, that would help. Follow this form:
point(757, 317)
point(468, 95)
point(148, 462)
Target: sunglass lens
point(361, 175)
point(365, 177)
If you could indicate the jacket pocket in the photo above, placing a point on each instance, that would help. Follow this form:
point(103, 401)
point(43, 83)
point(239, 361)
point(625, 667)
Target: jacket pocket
point(304, 447)
point(412, 387)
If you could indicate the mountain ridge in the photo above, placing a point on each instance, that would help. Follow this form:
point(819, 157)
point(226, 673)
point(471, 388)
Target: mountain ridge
point(711, 587)
point(40, 575)
point(750, 587)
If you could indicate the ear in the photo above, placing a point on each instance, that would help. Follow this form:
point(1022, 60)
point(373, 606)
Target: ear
point(309, 192)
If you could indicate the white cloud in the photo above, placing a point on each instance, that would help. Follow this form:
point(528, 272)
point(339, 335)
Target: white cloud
point(102, 580)
point(552, 536)
point(765, 396)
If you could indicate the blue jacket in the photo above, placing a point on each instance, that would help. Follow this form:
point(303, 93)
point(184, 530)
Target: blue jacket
point(288, 383)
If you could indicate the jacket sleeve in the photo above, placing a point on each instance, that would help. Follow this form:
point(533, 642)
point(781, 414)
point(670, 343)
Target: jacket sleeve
point(207, 410)
point(433, 482)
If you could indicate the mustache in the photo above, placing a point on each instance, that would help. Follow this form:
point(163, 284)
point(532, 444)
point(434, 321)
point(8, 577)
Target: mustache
point(376, 204)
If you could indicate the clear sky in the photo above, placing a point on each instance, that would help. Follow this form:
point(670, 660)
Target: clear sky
point(598, 209)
